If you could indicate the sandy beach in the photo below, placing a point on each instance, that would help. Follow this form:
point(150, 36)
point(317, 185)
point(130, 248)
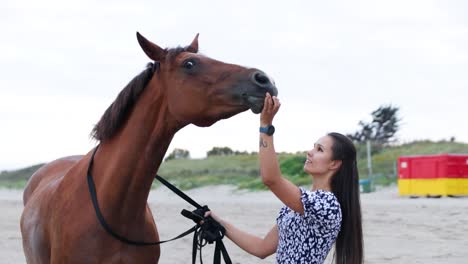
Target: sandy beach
point(396, 229)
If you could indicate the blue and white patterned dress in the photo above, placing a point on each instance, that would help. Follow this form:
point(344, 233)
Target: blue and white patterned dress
point(308, 238)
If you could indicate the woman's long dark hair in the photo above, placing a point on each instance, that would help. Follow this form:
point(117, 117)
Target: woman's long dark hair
point(349, 245)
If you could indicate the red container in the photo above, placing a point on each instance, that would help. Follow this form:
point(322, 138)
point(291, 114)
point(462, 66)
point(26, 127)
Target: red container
point(433, 166)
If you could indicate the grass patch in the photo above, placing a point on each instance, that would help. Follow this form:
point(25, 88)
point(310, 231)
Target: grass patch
point(20, 184)
point(243, 170)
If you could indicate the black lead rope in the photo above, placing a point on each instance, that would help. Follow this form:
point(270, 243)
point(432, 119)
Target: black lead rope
point(209, 232)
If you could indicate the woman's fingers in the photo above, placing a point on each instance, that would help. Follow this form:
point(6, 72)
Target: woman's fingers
point(208, 213)
point(269, 103)
point(270, 108)
point(277, 104)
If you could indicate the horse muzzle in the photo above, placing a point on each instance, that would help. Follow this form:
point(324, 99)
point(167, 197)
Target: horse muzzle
point(262, 84)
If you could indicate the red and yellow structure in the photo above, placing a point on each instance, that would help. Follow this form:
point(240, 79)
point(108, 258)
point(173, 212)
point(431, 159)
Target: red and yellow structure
point(444, 174)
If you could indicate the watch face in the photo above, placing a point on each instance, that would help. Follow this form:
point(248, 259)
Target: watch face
point(271, 130)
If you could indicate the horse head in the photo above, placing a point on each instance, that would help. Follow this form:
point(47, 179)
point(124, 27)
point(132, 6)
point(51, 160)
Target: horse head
point(201, 90)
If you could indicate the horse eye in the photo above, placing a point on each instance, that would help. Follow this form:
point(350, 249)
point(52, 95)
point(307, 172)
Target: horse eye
point(189, 64)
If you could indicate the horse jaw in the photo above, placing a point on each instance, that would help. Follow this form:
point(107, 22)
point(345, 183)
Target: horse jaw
point(209, 121)
point(254, 103)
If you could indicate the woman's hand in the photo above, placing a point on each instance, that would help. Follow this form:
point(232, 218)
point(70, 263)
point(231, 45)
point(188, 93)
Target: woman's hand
point(257, 246)
point(215, 217)
point(270, 108)
point(260, 247)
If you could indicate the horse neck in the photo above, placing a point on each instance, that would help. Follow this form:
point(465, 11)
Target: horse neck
point(127, 163)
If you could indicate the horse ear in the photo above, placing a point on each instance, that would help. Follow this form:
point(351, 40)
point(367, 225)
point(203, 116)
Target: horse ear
point(152, 50)
point(194, 45)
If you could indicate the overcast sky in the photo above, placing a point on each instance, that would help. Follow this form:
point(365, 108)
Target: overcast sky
point(63, 62)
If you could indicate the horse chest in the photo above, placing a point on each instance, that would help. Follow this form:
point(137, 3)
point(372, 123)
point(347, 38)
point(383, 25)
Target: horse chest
point(79, 238)
point(93, 247)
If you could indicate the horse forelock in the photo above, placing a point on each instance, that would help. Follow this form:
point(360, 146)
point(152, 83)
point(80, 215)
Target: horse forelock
point(171, 54)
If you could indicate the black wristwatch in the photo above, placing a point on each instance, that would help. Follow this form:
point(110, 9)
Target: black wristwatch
point(269, 130)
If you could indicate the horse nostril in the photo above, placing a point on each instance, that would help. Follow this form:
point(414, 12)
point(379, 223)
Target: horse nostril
point(260, 79)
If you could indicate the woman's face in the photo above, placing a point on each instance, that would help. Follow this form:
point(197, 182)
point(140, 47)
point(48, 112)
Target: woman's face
point(319, 159)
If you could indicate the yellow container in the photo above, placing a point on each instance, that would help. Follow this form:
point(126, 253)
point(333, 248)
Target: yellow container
point(438, 186)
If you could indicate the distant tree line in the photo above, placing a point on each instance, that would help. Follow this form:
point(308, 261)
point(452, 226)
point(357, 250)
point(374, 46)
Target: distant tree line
point(215, 151)
point(380, 131)
point(178, 153)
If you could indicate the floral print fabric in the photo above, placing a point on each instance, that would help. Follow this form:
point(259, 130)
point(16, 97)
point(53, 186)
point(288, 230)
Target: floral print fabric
point(308, 238)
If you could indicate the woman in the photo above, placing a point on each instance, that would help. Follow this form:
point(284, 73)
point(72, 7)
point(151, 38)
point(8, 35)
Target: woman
point(311, 220)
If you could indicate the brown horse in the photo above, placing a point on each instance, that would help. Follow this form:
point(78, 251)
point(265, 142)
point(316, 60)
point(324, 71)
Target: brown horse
point(181, 87)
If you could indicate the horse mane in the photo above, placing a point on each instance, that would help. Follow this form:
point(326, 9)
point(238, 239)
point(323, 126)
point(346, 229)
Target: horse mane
point(117, 113)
